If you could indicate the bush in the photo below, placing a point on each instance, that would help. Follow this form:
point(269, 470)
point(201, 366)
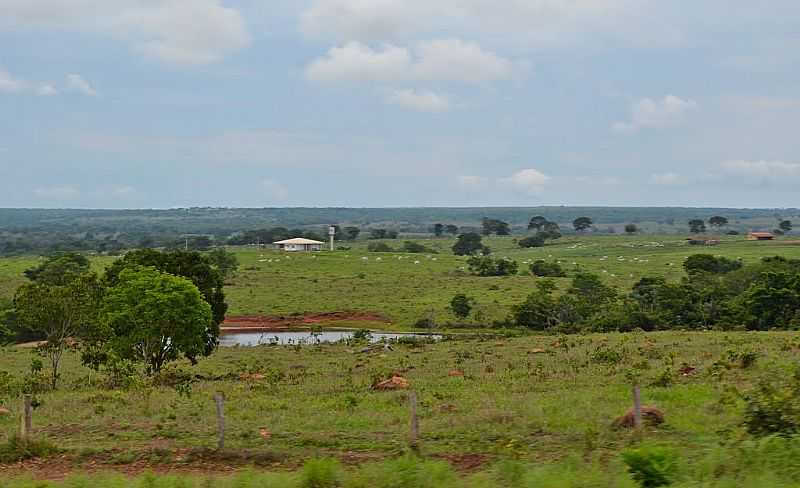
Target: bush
point(706, 263)
point(488, 266)
point(321, 473)
point(532, 241)
point(416, 248)
point(379, 247)
point(461, 305)
point(773, 407)
point(17, 449)
point(651, 466)
point(545, 269)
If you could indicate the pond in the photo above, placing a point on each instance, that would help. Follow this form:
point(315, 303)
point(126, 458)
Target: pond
point(307, 337)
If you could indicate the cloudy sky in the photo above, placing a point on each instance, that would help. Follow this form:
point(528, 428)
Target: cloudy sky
point(164, 103)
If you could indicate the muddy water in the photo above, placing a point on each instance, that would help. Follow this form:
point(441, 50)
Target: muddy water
point(305, 337)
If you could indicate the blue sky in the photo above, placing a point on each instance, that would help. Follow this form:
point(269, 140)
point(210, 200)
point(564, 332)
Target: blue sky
point(165, 103)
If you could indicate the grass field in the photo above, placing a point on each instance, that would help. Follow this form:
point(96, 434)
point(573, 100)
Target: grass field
point(535, 399)
point(406, 287)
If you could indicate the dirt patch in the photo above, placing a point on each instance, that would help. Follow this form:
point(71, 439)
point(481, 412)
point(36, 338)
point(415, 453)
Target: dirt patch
point(266, 323)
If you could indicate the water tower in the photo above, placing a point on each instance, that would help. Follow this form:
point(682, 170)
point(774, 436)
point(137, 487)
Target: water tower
point(331, 234)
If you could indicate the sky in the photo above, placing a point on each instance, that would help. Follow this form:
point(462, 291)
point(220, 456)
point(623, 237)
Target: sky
point(376, 103)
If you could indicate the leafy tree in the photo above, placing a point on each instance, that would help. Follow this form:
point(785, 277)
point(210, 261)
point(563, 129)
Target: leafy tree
point(225, 262)
point(717, 222)
point(544, 269)
point(392, 234)
point(539, 311)
point(531, 241)
point(350, 233)
point(438, 230)
point(469, 244)
point(707, 263)
point(59, 269)
point(582, 224)
point(631, 229)
point(772, 301)
point(155, 317)
point(60, 313)
point(461, 305)
point(377, 234)
point(697, 226)
point(189, 264)
point(537, 223)
point(494, 226)
point(488, 266)
point(550, 230)
point(785, 225)
point(416, 248)
point(451, 229)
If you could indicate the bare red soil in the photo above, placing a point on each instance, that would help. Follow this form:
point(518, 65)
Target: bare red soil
point(261, 323)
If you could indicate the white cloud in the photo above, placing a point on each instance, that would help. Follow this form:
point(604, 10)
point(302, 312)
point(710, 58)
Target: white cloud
point(12, 85)
point(274, 191)
point(58, 192)
point(421, 101)
point(762, 170)
point(665, 179)
point(656, 114)
point(437, 60)
point(77, 83)
point(533, 22)
point(175, 31)
point(528, 180)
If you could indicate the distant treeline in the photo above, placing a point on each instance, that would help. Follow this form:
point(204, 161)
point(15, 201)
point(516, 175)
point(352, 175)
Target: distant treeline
point(40, 231)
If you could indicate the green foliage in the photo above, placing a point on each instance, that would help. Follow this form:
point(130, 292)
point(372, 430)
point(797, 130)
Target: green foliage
point(155, 317)
point(489, 266)
point(495, 226)
point(350, 233)
point(416, 248)
point(532, 241)
point(16, 449)
point(582, 224)
point(707, 263)
point(59, 313)
point(189, 264)
point(542, 268)
point(59, 270)
point(383, 234)
point(225, 262)
point(379, 247)
point(697, 226)
point(461, 305)
point(321, 473)
point(773, 407)
point(631, 228)
point(717, 221)
point(406, 472)
point(651, 467)
point(469, 244)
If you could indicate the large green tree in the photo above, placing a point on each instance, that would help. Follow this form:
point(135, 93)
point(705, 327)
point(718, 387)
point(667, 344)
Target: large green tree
point(155, 317)
point(59, 313)
point(59, 269)
point(582, 224)
point(189, 264)
point(469, 244)
point(717, 221)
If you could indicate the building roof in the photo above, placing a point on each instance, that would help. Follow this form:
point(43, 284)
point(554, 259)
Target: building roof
point(298, 240)
point(762, 234)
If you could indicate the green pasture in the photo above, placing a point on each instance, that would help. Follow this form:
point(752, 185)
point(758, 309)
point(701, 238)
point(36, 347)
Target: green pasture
point(405, 287)
point(535, 399)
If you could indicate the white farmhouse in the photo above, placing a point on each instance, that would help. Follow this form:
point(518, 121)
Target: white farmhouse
point(299, 244)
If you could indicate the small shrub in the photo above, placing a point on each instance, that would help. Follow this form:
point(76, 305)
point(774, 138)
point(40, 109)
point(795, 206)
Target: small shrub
point(379, 247)
point(532, 241)
point(606, 355)
point(461, 306)
point(17, 449)
point(321, 473)
point(544, 269)
point(651, 467)
point(773, 407)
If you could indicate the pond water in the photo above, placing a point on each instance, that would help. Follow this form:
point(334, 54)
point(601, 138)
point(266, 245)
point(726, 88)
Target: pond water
point(306, 337)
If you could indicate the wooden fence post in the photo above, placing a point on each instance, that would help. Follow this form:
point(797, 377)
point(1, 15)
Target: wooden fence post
point(219, 399)
point(414, 431)
point(26, 420)
point(637, 407)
